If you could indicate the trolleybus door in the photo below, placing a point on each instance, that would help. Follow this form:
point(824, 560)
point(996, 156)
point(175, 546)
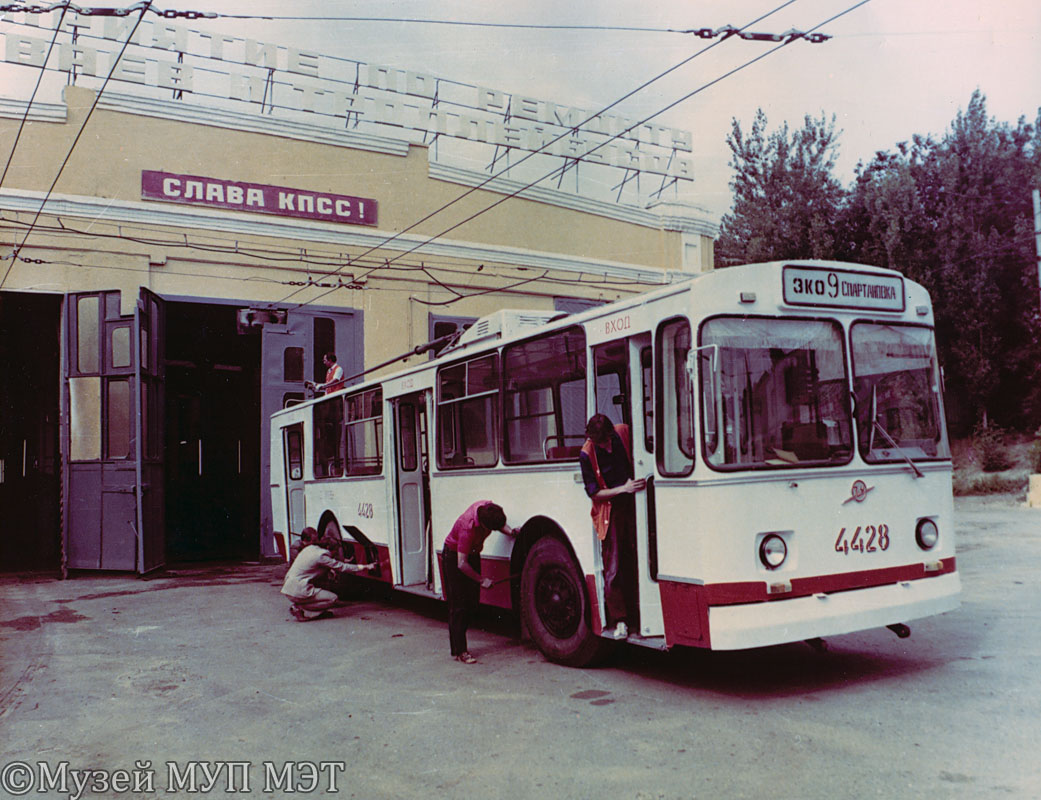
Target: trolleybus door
point(293, 450)
point(412, 466)
point(641, 381)
point(624, 393)
point(113, 433)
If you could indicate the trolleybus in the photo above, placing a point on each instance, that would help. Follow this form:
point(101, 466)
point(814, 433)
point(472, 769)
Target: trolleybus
point(788, 418)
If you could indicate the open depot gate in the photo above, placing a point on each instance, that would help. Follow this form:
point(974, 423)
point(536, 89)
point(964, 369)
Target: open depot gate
point(117, 458)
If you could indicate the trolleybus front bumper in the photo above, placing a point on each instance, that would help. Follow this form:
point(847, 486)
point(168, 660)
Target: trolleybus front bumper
point(735, 627)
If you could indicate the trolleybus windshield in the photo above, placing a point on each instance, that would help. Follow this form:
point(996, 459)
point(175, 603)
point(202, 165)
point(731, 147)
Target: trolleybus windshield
point(774, 393)
point(896, 382)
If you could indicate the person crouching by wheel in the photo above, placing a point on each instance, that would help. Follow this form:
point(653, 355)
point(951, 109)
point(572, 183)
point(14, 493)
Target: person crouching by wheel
point(311, 564)
point(461, 568)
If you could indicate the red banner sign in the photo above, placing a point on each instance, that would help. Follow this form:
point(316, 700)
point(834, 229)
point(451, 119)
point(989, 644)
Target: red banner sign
point(257, 198)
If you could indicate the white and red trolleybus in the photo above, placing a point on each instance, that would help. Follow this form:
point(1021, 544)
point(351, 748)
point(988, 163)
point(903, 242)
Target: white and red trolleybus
point(788, 418)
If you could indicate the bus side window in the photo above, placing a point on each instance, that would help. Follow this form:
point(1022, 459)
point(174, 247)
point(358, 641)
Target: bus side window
point(544, 408)
point(467, 412)
point(675, 425)
point(328, 438)
point(611, 365)
point(295, 453)
point(364, 432)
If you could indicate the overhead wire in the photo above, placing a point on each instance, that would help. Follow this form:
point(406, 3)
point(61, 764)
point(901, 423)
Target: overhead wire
point(563, 135)
point(144, 6)
point(791, 36)
point(305, 258)
point(644, 121)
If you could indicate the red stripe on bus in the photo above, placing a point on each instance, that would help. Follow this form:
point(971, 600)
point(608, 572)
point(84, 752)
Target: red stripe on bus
point(360, 557)
point(498, 569)
point(280, 545)
point(685, 613)
point(725, 594)
point(500, 595)
point(594, 605)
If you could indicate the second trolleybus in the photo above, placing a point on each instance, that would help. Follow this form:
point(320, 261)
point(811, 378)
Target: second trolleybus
point(788, 418)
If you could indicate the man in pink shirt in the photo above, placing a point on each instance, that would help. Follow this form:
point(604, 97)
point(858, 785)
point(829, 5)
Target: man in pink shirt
point(461, 567)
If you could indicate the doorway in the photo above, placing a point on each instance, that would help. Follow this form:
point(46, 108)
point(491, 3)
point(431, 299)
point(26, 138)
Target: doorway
point(30, 527)
point(413, 488)
point(212, 435)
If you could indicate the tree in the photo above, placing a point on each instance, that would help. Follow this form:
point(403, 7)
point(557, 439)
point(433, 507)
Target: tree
point(786, 200)
point(955, 214)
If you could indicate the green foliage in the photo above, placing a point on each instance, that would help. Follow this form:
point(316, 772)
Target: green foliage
point(953, 213)
point(990, 448)
point(786, 199)
point(991, 484)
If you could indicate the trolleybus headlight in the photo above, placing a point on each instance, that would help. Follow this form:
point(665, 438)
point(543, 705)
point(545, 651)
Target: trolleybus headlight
point(772, 551)
point(926, 533)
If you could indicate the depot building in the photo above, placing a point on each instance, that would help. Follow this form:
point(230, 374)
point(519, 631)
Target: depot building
point(176, 261)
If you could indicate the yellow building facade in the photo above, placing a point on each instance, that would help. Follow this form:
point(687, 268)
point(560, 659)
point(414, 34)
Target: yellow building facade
point(181, 276)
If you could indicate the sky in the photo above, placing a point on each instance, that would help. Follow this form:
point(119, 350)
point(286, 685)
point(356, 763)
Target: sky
point(894, 68)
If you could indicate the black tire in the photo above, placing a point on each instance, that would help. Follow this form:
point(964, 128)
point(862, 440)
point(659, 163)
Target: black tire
point(555, 606)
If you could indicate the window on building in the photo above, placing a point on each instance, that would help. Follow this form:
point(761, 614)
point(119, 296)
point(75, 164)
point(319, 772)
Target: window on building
point(467, 412)
point(118, 442)
point(324, 341)
point(544, 397)
point(87, 331)
point(293, 365)
point(443, 326)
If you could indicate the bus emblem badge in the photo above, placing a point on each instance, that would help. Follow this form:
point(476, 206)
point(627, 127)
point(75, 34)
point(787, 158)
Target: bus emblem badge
point(858, 492)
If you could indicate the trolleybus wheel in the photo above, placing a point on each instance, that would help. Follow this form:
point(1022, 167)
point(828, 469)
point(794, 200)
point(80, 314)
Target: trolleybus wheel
point(554, 606)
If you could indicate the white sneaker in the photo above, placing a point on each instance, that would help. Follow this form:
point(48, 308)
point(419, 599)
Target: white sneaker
point(621, 631)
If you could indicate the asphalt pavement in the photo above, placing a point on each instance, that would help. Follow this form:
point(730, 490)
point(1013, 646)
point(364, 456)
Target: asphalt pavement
point(198, 681)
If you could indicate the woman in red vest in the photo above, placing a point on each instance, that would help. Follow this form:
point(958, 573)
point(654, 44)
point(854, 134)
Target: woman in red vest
point(607, 472)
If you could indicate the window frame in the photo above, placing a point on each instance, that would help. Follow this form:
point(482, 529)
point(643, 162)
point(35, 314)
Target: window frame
point(495, 394)
point(376, 420)
point(555, 394)
point(319, 454)
point(659, 401)
point(844, 345)
point(941, 410)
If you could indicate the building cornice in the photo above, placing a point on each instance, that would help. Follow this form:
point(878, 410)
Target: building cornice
point(38, 112)
point(675, 220)
point(207, 220)
point(660, 215)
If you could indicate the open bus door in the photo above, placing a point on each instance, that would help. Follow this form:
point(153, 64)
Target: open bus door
point(412, 465)
point(624, 392)
point(112, 423)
